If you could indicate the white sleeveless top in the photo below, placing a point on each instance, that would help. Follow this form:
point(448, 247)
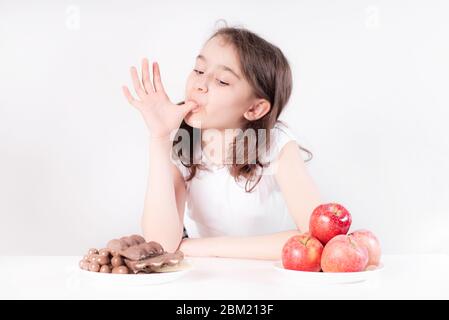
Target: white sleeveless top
point(216, 205)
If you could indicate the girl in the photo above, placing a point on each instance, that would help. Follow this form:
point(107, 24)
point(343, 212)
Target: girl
point(232, 201)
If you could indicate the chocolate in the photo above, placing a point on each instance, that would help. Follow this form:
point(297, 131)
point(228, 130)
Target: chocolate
point(117, 261)
point(93, 266)
point(103, 260)
point(118, 245)
point(93, 258)
point(104, 252)
point(135, 248)
point(105, 269)
point(84, 264)
point(143, 251)
point(130, 254)
point(154, 263)
point(92, 251)
point(121, 270)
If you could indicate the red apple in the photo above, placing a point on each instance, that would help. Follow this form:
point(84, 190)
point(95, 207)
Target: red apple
point(344, 254)
point(329, 220)
point(367, 239)
point(302, 252)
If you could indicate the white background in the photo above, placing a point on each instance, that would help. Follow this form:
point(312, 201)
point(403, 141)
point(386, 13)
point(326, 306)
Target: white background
point(370, 100)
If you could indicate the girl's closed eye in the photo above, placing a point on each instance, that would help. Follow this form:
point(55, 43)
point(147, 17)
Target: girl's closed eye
point(222, 83)
point(219, 81)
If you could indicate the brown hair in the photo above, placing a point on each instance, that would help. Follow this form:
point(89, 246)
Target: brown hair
point(268, 72)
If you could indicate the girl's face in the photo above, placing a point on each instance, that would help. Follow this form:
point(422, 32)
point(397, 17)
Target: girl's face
point(217, 85)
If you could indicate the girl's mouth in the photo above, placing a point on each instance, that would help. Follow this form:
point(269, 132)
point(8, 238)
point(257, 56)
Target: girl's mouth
point(197, 108)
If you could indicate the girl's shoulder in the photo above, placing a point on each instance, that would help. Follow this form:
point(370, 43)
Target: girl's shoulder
point(281, 134)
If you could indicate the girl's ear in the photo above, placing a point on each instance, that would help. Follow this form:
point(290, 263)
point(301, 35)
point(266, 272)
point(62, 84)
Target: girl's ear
point(257, 110)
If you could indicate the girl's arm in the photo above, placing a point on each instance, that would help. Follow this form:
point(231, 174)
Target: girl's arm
point(165, 195)
point(298, 189)
point(162, 219)
point(301, 196)
point(267, 247)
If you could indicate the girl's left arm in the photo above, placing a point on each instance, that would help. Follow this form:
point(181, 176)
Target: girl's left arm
point(266, 247)
point(301, 196)
point(297, 186)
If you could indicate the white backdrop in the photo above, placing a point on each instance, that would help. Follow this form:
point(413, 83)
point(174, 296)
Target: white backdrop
point(370, 100)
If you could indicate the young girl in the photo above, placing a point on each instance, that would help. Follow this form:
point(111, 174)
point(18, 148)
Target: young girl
point(229, 208)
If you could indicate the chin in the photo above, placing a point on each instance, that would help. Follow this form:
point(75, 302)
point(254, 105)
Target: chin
point(194, 120)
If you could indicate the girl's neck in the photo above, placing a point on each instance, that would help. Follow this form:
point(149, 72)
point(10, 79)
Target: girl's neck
point(215, 144)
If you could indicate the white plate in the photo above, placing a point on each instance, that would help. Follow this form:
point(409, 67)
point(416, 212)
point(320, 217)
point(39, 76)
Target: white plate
point(170, 274)
point(328, 277)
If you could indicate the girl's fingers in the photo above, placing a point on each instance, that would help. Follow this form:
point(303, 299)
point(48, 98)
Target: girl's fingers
point(157, 78)
point(148, 87)
point(188, 106)
point(129, 97)
point(139, 90)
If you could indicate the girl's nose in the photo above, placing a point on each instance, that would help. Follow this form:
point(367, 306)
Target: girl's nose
point(201, 85)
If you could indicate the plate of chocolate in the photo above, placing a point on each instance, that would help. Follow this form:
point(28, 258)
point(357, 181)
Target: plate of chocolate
point(131, 260)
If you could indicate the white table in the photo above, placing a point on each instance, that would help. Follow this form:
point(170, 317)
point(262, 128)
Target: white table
point(57, 277)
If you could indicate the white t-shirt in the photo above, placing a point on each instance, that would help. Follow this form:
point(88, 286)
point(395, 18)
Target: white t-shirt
point(216, 205)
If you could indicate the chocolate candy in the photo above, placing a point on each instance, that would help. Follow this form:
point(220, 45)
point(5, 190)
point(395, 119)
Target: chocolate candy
point(103, 260)
point(84, 264)
point(123, 243)
point(135, 248)
point(143, 251)
point(104, 252)
point(92, 251)
point(94, 266)
point(117, 261)
point(121, 270)
point(92, 257)
point(130, 254)
point(153, 263)
point(105, 269)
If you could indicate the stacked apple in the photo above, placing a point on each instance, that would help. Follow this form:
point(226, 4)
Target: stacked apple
point(327, 246)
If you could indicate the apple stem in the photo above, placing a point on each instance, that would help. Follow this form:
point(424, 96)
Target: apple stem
point(351, 242)
point(336, 211)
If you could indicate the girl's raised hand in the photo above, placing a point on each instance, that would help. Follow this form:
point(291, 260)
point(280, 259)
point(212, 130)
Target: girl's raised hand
point(160, 114)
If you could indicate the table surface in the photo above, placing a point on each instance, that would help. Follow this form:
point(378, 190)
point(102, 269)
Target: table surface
point(58, 277)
